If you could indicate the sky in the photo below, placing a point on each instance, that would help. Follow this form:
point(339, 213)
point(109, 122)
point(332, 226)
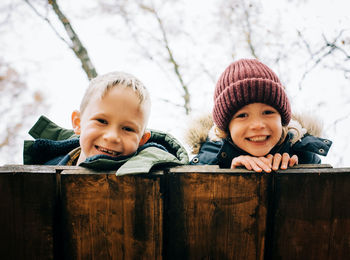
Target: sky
point(48, 65)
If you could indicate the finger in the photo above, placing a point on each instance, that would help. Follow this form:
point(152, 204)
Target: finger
point(276, 161)
point(285, 161)
point(263, 163)
point(252, 163)
point(255, 164)
point(234, 163)
point(270, 158)
point(293, 160)
point(249, 163)
point(240, 161)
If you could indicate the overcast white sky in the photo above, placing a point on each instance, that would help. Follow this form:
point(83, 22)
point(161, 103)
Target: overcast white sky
point(48, 65)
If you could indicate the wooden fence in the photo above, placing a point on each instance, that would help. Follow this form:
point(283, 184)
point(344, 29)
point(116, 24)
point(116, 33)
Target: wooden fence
point(187, 212)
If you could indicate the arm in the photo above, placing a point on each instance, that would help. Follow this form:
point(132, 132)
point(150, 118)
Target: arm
point(309, 147)
point(207, 154)
point(309, 158)
point(44, 128)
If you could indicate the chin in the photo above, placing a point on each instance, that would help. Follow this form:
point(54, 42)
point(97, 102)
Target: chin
point(259, 154)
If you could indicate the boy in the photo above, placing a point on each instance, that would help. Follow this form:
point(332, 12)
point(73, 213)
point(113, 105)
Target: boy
point(110, 132)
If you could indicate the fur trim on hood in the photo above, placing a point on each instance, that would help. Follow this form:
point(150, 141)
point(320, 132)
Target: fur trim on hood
point(202, 129)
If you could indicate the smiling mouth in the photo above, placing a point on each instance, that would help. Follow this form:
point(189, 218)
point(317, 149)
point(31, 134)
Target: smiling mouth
point(261, 138)
point(107, 151)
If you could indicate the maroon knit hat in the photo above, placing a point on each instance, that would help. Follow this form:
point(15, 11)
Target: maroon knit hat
point(244, 82)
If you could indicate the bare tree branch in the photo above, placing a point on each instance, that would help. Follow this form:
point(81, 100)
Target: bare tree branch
point(334, 45)
point(321, 54)
point(317, 61)
point(186, 95)
point(237, 18)
point(121, 7)
point(248, 32)
point(76, 45)
point(170, 102)
point(46, 20)
point(78, 48)
point(307, 45)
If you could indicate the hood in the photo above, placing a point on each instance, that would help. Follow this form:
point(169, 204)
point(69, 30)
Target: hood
point(170, 143)
point(202, 129)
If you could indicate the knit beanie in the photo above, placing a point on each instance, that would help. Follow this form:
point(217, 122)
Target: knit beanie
point(244, 82)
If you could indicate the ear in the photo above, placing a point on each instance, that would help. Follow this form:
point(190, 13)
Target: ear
point(76, 121)
point(146, 136)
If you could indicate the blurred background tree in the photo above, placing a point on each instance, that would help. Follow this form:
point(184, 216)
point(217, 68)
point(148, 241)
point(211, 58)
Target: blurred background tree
point(18, 105)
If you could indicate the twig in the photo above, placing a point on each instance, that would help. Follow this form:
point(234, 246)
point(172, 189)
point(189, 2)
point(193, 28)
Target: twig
point(186, 95)
point(46, 20)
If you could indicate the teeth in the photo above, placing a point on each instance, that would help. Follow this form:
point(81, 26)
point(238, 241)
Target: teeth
point(113, 153)
point(258, 138)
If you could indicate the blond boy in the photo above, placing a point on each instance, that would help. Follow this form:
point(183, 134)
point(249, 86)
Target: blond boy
point(110, 129)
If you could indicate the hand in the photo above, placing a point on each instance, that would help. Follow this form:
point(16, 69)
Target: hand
point(282, 161)
point(257, 164)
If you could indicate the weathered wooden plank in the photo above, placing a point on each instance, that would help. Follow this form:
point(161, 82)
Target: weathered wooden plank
point(17, 168)
point(215, 216)
point(311, 216)
point(215, 169)
point(109, 217)
point(27, 214)
point(14, 168)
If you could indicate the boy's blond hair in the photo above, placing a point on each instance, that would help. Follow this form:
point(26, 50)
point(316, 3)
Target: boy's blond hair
point(100, 85)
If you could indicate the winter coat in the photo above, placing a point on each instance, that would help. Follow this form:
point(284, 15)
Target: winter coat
point(54, 145)
point(299, 141)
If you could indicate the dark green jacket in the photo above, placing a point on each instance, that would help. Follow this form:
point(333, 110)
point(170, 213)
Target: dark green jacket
point(52, 145)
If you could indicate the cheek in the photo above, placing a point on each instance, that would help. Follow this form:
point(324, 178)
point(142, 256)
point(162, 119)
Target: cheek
point(83, 140)
point(235, 131)
point(87, 135)
point(132, 141)
point(278, 132)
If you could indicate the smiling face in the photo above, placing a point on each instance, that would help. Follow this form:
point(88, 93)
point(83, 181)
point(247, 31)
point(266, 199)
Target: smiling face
point(256, 128)
point(112, 125)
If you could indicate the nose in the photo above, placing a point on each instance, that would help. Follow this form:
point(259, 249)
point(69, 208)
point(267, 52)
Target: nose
point(111, 135)
point(257, 124)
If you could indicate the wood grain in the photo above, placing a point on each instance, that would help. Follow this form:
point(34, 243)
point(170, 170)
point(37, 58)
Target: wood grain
point(311, 217)
point(109, 217)
point(27, 217)
point(215, 216)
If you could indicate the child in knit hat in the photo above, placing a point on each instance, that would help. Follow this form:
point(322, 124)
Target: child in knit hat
point(252, 124)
